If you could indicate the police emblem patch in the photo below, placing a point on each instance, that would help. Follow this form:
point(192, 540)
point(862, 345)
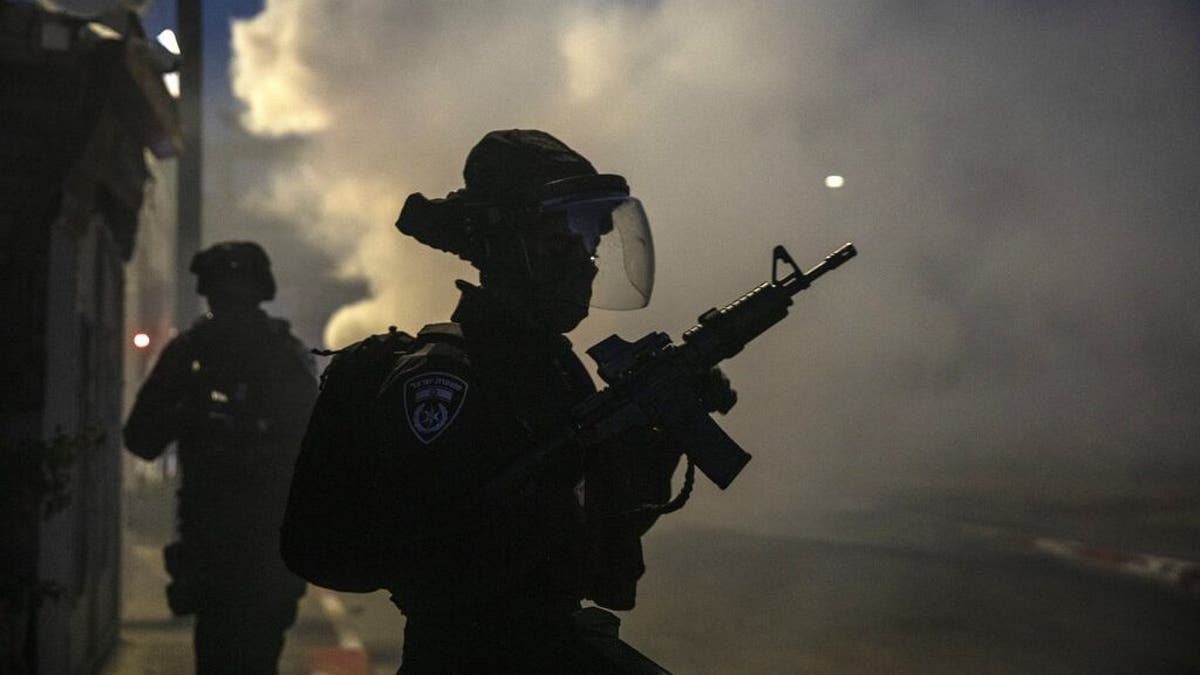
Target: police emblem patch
point(431, 402)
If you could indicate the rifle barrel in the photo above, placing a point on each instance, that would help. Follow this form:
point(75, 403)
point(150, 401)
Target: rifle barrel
point(831, 262)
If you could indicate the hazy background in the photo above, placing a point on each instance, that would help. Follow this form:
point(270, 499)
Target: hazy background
point(1023, 316)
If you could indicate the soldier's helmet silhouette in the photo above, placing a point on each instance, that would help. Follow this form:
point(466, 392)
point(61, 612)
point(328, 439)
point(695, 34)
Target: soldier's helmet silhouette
point(523, 189)
point(239, 268)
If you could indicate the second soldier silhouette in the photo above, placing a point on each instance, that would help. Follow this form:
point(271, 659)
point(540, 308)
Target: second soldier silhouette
point(235, 391)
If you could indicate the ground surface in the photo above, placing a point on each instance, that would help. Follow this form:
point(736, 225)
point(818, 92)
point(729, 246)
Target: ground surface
point(933, 583)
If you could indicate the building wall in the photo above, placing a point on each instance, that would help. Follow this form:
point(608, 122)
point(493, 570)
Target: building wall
point(78, 112)
point(79, 548)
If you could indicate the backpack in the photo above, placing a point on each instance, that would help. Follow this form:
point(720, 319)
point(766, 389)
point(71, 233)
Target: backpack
point(349, 508)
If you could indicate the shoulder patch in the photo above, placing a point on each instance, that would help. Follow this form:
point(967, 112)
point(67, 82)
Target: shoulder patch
point(432, 400)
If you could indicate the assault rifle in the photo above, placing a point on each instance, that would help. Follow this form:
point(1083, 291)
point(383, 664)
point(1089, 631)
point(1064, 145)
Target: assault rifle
point(652, 382)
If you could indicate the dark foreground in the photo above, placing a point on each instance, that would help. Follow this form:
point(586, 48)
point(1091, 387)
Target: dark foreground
point(879, 590)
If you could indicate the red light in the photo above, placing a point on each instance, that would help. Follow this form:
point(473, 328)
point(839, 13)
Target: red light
point(141, 340)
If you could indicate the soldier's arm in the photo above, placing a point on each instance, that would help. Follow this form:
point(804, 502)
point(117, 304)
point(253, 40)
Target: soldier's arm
point(632, 472)
point(299, 385)
point(156, 418)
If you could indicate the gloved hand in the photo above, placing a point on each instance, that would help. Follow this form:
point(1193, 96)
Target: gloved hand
point(716, 393)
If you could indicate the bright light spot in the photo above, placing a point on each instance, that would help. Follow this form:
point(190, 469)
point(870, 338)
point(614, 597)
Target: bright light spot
point(141, 340)
point(172, 82)
point(834, 181)
point(103, 31)
point(167, 39)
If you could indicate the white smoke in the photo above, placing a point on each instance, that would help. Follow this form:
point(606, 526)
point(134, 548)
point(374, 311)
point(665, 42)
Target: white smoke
point(1017, 184)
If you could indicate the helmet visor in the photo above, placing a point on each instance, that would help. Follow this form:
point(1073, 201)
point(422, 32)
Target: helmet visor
point(616, 234)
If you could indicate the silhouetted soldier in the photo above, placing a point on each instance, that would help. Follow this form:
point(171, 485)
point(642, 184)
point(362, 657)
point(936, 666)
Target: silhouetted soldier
point(396, 486)
point(235, 391)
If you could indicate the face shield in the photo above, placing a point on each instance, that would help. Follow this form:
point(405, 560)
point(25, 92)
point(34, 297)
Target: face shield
point(613, 229)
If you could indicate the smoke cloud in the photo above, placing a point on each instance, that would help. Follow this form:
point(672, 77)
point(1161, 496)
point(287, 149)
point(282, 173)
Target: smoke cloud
point(1020, 184)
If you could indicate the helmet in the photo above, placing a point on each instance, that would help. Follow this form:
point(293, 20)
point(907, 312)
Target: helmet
point(518, 177)
point(504, 166)
point(236, 268)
